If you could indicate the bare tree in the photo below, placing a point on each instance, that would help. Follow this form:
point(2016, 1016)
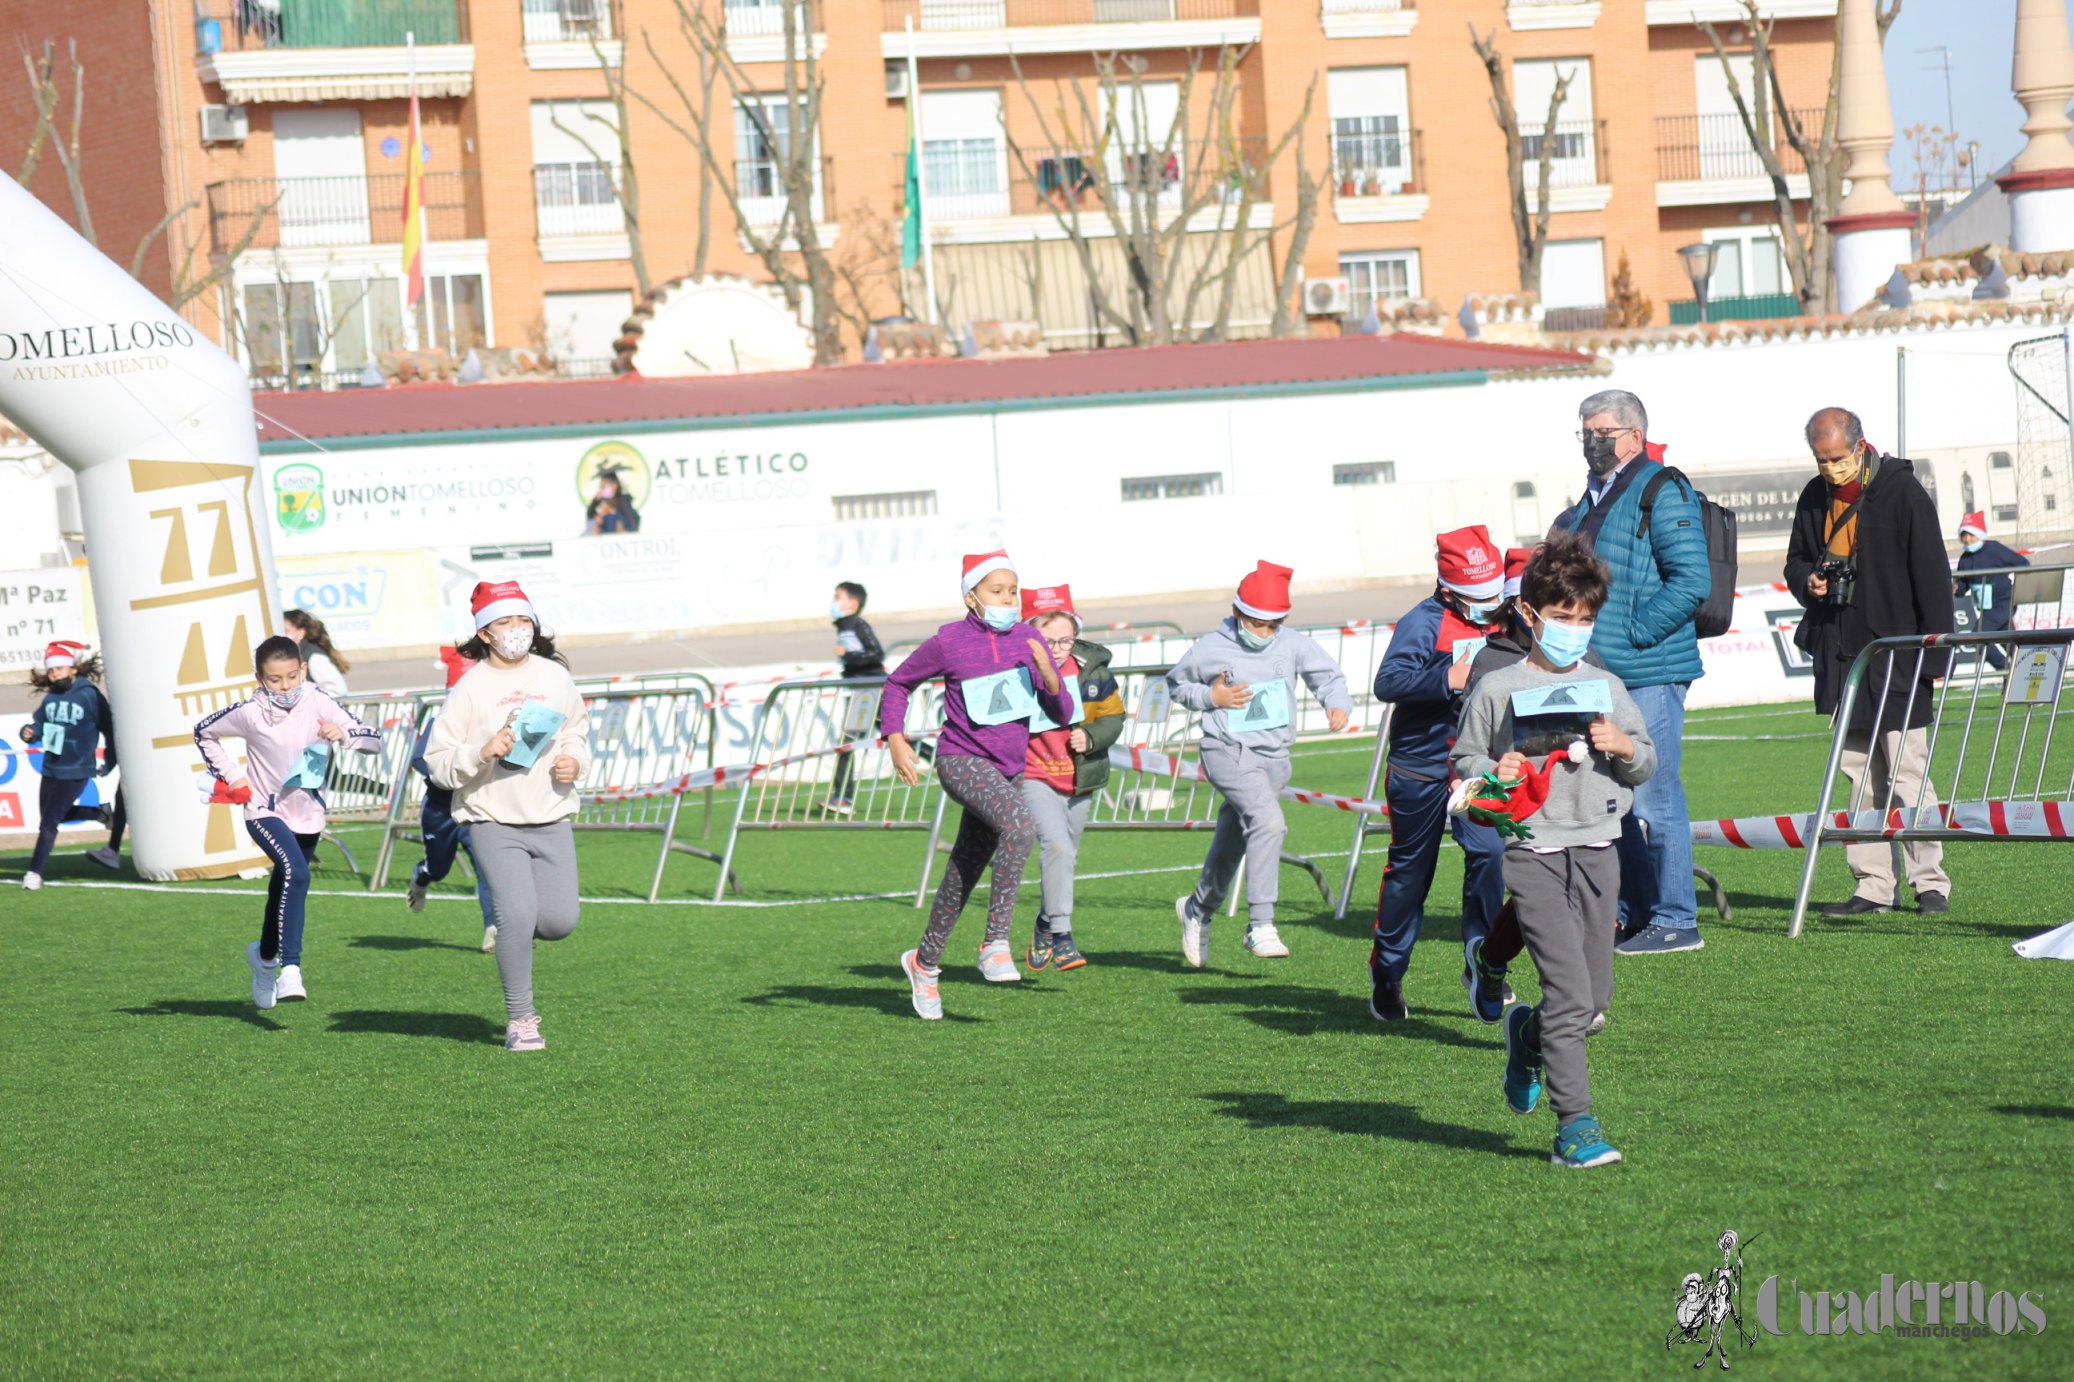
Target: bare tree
point(186, 284)
point(1150, 188)
point(790, 247)
point(1807, 253)
point(1529, 223)
point(626, 181)
point(867, 270)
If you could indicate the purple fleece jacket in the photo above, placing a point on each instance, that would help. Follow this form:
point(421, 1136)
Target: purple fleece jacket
point(965, 649)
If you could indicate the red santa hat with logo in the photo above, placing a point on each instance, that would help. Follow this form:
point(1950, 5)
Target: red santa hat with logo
point(63, 653)
point(1974, 523)
point(493, 600)
point(979, 565)
point(1470, 564)
point(1265, 593)
point(1516, 559)
point(1047, 599)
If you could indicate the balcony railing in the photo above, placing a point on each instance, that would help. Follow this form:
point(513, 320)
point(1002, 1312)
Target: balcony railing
point(571, 21)
point(1378, 165)
point(766, 18)
point(1364, 6)
point(1704, 147)
point(1755, 307)
point(760, 187)
point(1578, 155)
point(928, 15)
point(241, 26)
point(338, 211)
point(966, 179)
point(577, 199)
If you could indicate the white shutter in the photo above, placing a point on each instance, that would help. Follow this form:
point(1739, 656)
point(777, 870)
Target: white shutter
point(583, 326)
point(1356, 91)
point(1573, 273)
point(1711, 83)
point(1533, 82)
point(961, 115)
point(551, 145)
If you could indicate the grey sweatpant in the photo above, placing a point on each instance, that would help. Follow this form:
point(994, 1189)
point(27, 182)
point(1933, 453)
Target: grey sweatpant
point(531, 870)
point(1249, 827)
point(1060, 819)
point(1566, 903)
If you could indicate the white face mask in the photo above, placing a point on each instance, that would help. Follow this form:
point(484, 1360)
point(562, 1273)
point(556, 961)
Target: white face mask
point(513, 645)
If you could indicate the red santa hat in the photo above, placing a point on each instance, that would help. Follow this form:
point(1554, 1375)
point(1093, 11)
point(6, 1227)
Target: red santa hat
point(1045, 599)
point(492, 601)
point(1975, 523)
point(979, 565)
point(1265, 593)
point(63, 653)
point(1470, 564)
point(1516, 559)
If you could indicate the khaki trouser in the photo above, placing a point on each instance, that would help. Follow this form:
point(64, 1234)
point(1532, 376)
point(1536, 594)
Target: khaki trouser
point(1897, 767)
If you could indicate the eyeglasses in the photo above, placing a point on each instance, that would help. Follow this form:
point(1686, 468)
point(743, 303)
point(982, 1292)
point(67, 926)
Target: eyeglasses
point(1608, 433)
point(1059, 645)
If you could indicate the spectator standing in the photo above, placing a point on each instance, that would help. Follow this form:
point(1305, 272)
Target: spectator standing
point(328, 666)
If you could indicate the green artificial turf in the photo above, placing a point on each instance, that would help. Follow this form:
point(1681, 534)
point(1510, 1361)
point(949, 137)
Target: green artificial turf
point(742, 1156)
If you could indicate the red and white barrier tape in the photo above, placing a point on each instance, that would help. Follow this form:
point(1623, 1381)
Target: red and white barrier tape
point(700, 779)
point(1142, 760)
point(2010, 820)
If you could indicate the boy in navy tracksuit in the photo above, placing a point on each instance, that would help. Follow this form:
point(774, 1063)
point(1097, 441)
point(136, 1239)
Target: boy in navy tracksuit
point(1991, 594)
point(1424, 676)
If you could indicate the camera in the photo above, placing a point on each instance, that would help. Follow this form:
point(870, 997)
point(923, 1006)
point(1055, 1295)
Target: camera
point(1842, 575)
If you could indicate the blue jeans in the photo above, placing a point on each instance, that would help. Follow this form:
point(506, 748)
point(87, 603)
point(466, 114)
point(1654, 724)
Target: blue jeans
point(1656, 838)
point(445, 837)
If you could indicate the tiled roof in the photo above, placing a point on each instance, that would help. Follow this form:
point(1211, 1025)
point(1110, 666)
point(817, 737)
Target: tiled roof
point(1924, 315)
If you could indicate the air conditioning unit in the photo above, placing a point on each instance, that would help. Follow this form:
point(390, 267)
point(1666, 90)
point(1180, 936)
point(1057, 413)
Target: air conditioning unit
point(1327, 297)
point(224, 125)
point(896, 81)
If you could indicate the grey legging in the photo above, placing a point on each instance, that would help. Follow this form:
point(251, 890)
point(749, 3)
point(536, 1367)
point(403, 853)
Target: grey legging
point(531, 870)
point(997, 828)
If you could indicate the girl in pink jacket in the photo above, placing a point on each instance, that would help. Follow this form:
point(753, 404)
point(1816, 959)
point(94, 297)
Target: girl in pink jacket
point(288, 728)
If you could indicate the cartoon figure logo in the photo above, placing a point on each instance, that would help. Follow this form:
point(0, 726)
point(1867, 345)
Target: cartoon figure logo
point(1708, 1304)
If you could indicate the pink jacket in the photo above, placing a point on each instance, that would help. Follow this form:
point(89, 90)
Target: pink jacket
point(274, 740)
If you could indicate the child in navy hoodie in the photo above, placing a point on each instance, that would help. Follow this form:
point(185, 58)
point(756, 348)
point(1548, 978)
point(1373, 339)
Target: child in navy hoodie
point(71, 724)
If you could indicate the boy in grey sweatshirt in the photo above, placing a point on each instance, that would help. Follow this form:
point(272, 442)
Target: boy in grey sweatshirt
point(1520, 724)
point(1242, 677)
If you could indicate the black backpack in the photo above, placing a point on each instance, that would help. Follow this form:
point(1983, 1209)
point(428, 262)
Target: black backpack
point(1717, 612)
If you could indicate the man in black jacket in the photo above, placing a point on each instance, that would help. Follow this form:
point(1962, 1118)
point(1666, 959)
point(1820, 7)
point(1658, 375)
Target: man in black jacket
point(1866, 560)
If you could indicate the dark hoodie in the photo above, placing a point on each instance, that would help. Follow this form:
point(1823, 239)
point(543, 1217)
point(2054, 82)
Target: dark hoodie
point(1903, 589)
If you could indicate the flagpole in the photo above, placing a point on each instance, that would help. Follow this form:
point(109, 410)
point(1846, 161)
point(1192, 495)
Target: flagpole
point(914, 117)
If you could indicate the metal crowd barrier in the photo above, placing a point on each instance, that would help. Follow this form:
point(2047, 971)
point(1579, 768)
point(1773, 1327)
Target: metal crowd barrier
point(361, 788)
point(1997, 755)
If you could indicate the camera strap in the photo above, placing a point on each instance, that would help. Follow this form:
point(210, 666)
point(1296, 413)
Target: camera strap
point(1839, 523)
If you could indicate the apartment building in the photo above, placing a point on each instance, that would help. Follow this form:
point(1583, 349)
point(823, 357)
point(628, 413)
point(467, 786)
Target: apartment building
point(270, 136)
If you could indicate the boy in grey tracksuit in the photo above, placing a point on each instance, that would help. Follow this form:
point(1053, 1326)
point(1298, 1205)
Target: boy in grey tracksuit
point(1558, 719)
point(1242, 677)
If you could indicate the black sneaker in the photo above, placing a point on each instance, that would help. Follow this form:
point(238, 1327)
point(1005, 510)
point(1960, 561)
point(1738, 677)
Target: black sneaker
point(1933, 904)
point(1064, 954)
point(1039, 954)
point(1486, 985)
point(1856, 907)
point(1385, 996)
point(1661, 940)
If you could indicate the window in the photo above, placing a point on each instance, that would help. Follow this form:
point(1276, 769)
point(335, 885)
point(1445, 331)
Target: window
point(583, 327)
point(2005, 513)
point(1376, 278)
point(1365, 473)
point(297, 331)
point(1573, 273)
point(1998, 460)
point(964, 161)
point(914, 503)
point(1371, 130)
point(1197, 486)
point(1748, 262)
point(1574, 161)
point(562, 21)
point(763, 135)
point(576, 168)
point(450, 315)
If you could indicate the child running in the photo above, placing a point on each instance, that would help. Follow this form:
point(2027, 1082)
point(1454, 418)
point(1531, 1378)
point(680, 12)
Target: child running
point(288, 727)
point(1242, 677)
point(72, 722)
point(1423, 676)
point(1068, 764)
point(861, 655)
point(510, 745)
point(996, 674)
point(443, 836)
point(1565, 878)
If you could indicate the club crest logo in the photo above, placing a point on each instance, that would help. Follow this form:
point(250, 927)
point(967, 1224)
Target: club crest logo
point(299, 498)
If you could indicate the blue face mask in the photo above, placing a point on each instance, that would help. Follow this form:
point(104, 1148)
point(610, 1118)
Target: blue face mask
point(1481, 611)
point(1000, 618)
point(837, 613)
point(1253, 642)
point(1973, 546)
point(1564, 645)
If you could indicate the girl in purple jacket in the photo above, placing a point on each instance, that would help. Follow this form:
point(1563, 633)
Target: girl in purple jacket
point(996, 673)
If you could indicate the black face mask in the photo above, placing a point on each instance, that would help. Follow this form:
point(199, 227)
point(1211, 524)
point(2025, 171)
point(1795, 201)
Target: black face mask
point(1598, 454)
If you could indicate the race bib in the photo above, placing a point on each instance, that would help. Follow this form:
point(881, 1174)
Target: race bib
point(1548, 718)
point(53, 737)
point(1040, 722)
point(1468, 648)
point(533, 731)
point(1984, 595)
point(310, 769)
point(1269, 709)
point(997, 699)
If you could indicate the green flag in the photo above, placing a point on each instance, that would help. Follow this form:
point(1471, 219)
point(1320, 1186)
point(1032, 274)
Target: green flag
point(911, 227)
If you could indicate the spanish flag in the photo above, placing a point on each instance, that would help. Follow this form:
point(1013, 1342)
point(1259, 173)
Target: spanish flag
point(413, 198)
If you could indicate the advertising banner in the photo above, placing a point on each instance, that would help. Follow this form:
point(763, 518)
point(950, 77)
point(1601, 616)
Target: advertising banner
point(36, 607)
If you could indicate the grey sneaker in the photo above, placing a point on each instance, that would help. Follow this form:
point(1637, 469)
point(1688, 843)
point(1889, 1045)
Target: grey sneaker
point(523, 1034)
point(996, 965)
point(1661, 940)
point(922, 989)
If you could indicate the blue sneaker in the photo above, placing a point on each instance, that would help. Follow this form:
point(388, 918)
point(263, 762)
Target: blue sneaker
point(1522, 1063)
point(1661, 940)
point(1486, 985)
point(1581, 1145)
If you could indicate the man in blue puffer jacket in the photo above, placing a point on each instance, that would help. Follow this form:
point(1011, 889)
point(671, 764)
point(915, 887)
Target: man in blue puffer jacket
point(1646, 638)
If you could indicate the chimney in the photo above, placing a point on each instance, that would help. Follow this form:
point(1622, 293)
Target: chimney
point(2040, 184)
point(1871, 227)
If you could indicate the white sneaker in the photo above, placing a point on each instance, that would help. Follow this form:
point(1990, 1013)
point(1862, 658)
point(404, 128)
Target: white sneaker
point(997, 966)
point(1195, 935)
point(523, 1034)
point(288, 985)
point(414, 895)
point(922, 990)
point(264, 976)
point(104, 856)
point(31, 882)
point(489, 940)
point(1265, 941)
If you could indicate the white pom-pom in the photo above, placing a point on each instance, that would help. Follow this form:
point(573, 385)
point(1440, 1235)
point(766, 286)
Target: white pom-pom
point(1578, 752)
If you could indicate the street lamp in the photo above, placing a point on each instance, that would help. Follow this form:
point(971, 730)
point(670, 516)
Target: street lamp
point(1699, 267)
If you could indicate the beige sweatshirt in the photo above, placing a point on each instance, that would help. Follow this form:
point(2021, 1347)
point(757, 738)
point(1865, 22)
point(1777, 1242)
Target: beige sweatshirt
point(477, 707)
